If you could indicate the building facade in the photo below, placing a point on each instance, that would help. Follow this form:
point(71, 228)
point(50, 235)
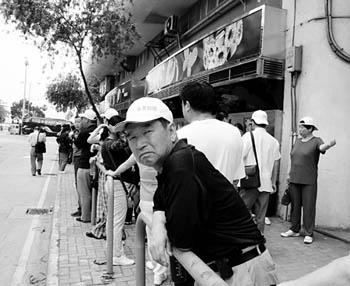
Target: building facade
point(271, 55)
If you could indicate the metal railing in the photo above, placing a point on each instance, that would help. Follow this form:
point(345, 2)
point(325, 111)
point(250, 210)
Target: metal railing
point(200, 271)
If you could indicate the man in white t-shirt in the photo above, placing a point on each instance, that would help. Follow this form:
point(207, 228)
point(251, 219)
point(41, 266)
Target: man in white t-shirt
point(267, 149)
point(221, 142)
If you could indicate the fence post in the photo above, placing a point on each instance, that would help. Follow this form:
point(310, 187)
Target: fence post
point(200, 271)
point(110, 220)
point(140, 249)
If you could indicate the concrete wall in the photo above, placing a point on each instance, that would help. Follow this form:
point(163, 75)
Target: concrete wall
point(323, 92)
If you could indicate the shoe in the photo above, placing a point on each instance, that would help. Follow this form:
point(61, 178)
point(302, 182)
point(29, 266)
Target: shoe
point(33, 175)
point(267, 221)
point(290, 233)
point(84, 221)
point(159, 279)
point(150, 265)
point(308, 239)
point(76, 214)
point(122, 261)
point(91, 235)
point(39, 172)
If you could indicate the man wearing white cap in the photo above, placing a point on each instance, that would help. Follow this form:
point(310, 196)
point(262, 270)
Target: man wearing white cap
point(87, 124)
point(195, 206)
point(267, 151)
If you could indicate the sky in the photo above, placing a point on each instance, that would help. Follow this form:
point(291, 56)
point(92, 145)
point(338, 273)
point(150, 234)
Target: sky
point(14, 51)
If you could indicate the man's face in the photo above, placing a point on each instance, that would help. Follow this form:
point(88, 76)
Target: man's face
point(151, 142)
point(77, 123)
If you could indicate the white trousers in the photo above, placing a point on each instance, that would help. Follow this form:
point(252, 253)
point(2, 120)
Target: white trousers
point(147, 209)
point(120, 208)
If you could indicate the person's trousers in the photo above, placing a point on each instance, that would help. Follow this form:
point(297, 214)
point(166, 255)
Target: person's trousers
point(84, 190)
point(303, 196)
point(119, 214)
point(260, 201)
point(147, 209)
point(76, 166)
point(62, 161)
point(36, 160)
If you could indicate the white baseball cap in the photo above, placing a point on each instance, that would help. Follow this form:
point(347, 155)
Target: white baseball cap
point(109, 113)
point(307, 120)
point(146, 109)
point(260, 117)
point(89, 114)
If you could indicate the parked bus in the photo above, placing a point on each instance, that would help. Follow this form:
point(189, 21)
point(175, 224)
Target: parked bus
point(50, 125)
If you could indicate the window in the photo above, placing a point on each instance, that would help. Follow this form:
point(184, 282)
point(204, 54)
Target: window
point(212, 4)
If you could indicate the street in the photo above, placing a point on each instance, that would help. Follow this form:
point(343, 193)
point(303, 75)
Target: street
point(24, 238)
point(30, 256)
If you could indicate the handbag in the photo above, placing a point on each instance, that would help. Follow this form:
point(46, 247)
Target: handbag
point(286, 199)
point(252, 179)
point(40, 147)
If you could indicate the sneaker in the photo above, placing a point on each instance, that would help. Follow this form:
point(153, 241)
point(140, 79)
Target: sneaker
point(267, 221)
point(290, 233)
point(308, 239)
point(76, 214)
point(159, 279)
point(149, 265)
point(122, 261)
point(39, 172)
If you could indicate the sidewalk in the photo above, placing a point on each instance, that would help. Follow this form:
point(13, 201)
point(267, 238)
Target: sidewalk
point(72, 253)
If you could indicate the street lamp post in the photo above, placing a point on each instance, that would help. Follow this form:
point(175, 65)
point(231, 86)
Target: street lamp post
point(26, 63)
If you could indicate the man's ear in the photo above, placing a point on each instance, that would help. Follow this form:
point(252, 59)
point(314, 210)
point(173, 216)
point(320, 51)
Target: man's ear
point(173, 134)
point(187, 106)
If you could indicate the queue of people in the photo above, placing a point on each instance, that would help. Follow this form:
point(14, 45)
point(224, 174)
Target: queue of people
point(190, 182)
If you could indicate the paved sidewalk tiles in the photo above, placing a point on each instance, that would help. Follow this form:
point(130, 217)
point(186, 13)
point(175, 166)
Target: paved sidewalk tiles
point(77, 252)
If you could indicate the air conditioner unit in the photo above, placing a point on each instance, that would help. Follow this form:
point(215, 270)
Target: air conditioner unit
point(170, 26)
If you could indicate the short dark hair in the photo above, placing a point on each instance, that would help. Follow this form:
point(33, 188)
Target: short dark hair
point(260, 125)
point(114, 120)
point(201, 96)
point(221, 115)
point(309, 127)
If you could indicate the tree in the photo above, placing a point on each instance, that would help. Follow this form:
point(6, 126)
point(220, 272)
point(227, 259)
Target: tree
point(3, 113)
point(65, 92)
point(30, 110)
point(102, 26)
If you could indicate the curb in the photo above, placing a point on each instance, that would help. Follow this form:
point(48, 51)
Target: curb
point(330, 234)
point(52, 268)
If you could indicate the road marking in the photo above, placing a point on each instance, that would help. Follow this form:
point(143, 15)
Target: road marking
point(17, 279)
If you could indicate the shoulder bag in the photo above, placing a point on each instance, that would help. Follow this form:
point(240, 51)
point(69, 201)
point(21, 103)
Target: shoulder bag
point(252, 179)
point(40, 147)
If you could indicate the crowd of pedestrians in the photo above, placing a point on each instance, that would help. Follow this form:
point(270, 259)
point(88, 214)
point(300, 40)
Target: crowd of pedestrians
point(188, 182)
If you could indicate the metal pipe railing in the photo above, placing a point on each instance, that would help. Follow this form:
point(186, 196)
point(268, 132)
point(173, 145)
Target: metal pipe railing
point(200, 271)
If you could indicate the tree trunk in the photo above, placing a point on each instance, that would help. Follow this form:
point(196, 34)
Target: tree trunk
point(87, 89)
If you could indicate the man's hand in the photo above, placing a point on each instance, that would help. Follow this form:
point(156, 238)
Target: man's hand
point(159, 245)
point(110, 173)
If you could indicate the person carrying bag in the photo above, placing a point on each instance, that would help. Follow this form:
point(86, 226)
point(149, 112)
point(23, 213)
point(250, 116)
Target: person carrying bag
point(252, 179)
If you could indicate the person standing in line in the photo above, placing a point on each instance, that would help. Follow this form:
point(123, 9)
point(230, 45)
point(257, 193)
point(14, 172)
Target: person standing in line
point(114, 153)
point(36, 159)
point(220, 141)
point(268, 155)
point(64, 147)
point(302, 179)
point(76, 157)
point(148, 186)
point(195, 207)
point(87, 125)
